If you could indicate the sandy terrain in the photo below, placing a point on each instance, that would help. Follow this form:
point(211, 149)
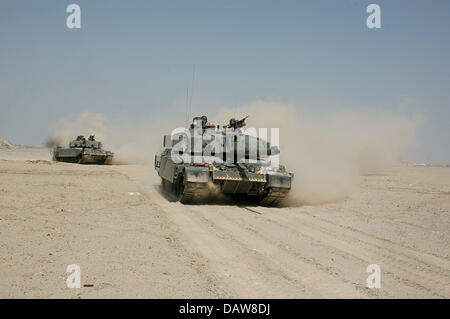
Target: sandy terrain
point(142, 245)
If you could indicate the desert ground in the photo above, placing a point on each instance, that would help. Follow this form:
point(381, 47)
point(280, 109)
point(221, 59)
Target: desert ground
point(131, 241)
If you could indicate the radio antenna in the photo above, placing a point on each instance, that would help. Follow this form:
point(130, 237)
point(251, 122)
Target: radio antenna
point(186, 121)
point(192, 91)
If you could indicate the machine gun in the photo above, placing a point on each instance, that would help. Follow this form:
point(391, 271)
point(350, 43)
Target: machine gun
point(236, 124)
point(240, 123)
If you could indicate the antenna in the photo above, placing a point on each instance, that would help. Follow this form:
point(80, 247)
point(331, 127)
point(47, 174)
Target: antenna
point(189, 99)
point(192, 91)
point(186, 121)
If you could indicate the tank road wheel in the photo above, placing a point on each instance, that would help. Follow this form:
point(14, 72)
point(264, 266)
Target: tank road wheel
point(186, 192)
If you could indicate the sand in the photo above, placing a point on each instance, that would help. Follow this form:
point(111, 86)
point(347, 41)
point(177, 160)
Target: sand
point(131, 241)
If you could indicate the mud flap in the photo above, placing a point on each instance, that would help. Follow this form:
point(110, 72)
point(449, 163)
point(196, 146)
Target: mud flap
point(278, 181)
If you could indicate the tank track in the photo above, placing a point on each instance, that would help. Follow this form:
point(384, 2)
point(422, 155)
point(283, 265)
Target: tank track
point(193, 192)
point(67, 159)
point(274, 197)
point(77, 160)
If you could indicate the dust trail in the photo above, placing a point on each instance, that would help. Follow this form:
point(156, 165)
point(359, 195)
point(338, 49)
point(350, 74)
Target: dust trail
point(132, 142)
point(327, 153)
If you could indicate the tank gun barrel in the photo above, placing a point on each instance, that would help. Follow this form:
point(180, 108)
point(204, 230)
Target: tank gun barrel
point(236, 124)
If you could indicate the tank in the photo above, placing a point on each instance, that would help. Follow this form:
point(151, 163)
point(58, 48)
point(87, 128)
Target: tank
point(205, 160)
point(83, 151)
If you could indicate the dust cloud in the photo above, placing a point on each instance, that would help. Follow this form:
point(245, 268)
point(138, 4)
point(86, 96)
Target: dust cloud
point(326, 153)
point(132, 142)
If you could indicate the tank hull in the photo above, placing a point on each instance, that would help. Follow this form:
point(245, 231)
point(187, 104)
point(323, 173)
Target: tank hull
point(192, 183)
point(82, 156)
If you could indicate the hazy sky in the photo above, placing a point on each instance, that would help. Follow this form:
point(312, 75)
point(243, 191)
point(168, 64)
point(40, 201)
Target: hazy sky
point(137, 57)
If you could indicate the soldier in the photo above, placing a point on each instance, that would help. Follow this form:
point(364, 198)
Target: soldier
point(232, 123)
point(197, 120)
point(204, 120)
point(235, 125)
point(92, 138)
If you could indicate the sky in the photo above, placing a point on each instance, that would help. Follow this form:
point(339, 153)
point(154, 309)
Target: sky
point(137, 58)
